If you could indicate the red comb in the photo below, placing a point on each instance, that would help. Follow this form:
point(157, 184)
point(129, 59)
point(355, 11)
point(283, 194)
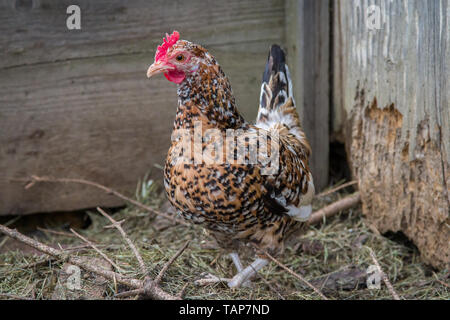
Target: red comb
point(168, 42)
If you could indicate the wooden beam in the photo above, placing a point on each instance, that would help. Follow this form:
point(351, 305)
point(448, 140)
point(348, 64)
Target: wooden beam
point(307, 39)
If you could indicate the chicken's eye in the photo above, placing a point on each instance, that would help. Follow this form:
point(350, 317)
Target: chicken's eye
point(180, 57)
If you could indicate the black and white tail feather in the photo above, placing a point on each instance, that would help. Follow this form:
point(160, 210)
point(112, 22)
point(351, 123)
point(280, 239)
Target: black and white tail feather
point(276, 82)
point(276, 103)
point(277, 109)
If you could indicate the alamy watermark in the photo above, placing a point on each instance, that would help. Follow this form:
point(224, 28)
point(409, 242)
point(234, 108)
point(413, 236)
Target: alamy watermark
point(375, 15)
point(74, 280)
point(73, 21)
point(373, 278)
point(213, 147)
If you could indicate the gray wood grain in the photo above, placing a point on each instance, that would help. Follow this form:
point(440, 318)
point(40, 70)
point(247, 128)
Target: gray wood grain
point(307, 37)
point(391, 105)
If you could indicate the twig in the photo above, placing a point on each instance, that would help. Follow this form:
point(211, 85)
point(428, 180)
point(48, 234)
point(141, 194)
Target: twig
point(47, 260)
point(295, 274)
point(81, 247)
point(215, 259)
point(14, 297)
point(13, 220)
point(149, 287)
point(118, 226)
point(342, 186)
point(440, 281)
point(35, 179)
point(58, 233)
point(151, 290)
point(158, 277)
point(50, 259)
point(96, 249)
point(182, 291)
point(130, 293)
point(384, 276)
point(269, 285)
point(335, 207)
point(3, 242)
point(115, 284)
point(169, 263)
point(210, 279)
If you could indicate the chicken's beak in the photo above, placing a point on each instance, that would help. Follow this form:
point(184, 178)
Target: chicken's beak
point(158, 67)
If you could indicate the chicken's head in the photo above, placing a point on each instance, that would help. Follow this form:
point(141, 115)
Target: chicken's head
point(174, 58)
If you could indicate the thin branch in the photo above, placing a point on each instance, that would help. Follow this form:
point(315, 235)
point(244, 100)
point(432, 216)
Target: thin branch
point(82, 247)
point(384, 276)
point(58, 233)
point(335, 207)
point(269, 285)
point(150, 288)
point(182, 291)
point(169, 263)
point(295, 274)
point(210, 279)
point(158, 277)
point(50, 259)
point(3, 242)
point(130, 293)
point(440, 281)
point(118, 226)
point(14, 297)
point(342, 186)
point(13, 220)
point(97, 249)
point(34, 179)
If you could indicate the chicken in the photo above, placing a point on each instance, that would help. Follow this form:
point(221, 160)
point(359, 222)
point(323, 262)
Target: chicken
point(219, 184)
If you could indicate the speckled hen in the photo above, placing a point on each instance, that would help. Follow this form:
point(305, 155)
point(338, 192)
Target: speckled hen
point(236, 198)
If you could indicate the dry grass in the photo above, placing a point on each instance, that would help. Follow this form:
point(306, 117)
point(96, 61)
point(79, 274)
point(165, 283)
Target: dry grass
point(323, 252)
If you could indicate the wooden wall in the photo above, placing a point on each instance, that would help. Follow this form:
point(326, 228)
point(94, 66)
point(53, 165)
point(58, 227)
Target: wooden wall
point(391, 104)
point(308, 47)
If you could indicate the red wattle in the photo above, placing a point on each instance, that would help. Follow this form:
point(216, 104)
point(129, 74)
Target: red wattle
point(175, 76)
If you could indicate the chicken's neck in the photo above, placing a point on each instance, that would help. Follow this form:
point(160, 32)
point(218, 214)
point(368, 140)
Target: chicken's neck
point(205, 95)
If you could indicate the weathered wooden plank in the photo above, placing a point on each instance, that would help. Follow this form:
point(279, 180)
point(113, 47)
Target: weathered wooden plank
point(391, 95)
point(37, 32)
point(78, 104)
point(307, 39)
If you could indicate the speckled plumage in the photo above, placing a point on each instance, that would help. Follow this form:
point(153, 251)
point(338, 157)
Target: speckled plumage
point(235, 200)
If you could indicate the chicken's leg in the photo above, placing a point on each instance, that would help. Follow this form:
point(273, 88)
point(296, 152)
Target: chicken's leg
point(244, 275)
point(237, 262)
point(239, 267)
point(211, 279)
